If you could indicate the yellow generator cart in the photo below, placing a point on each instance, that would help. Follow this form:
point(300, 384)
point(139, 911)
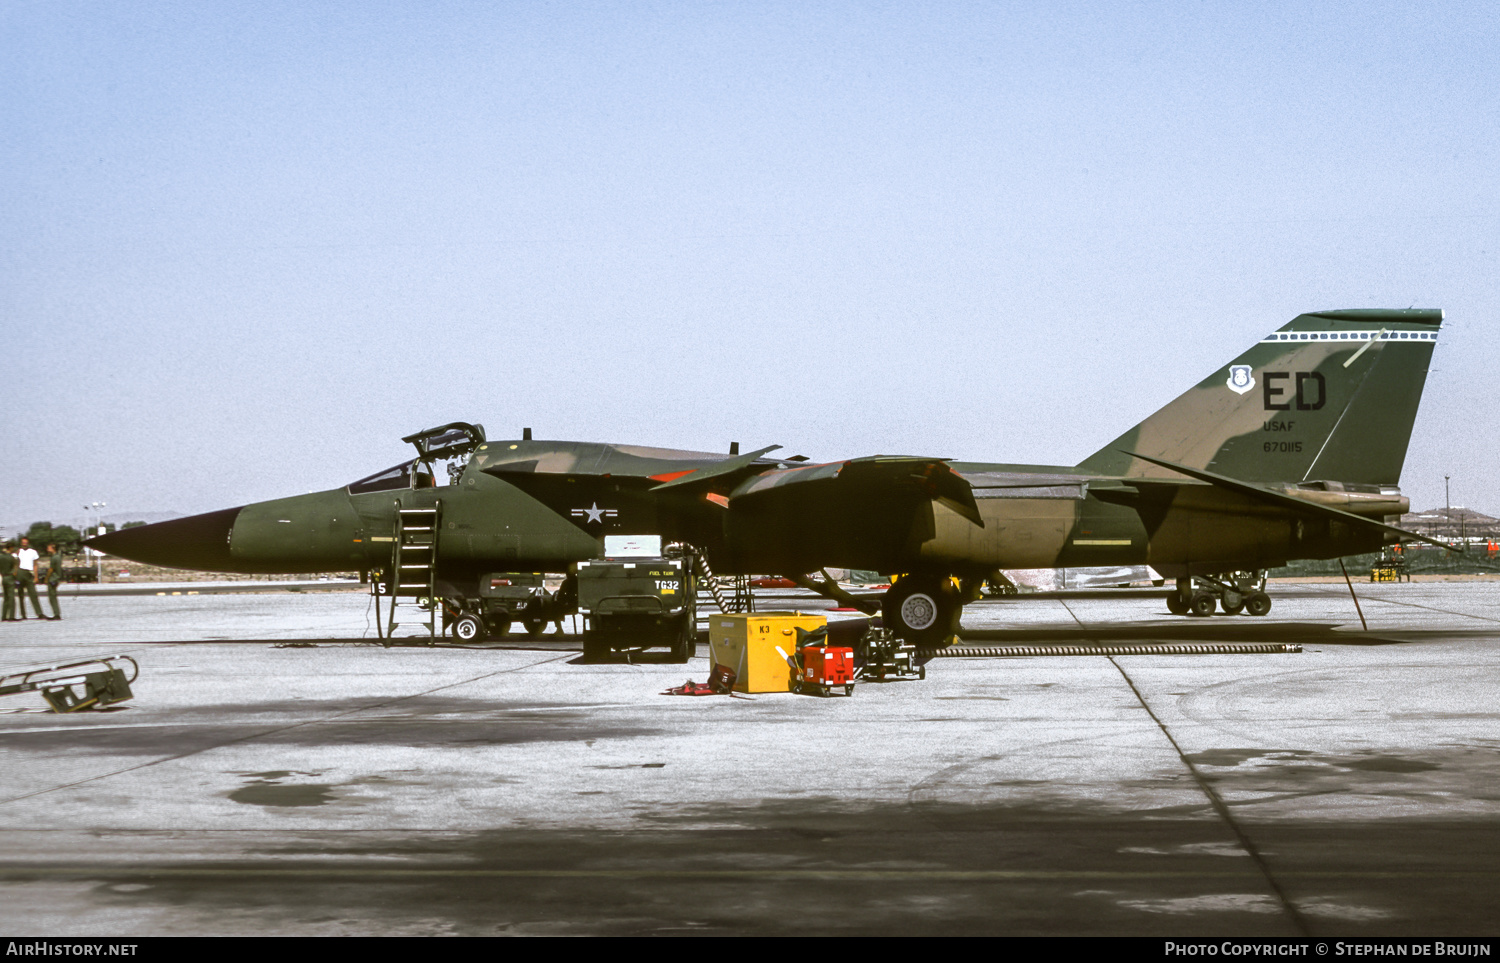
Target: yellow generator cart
point(760, 647)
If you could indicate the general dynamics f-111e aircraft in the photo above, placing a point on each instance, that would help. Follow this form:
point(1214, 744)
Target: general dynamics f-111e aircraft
point(1291, 451)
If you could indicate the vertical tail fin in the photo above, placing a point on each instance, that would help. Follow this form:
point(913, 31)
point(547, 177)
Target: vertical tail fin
point(1330, 396)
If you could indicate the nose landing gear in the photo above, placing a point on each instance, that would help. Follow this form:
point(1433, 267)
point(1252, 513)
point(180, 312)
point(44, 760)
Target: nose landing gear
point(1232, 592)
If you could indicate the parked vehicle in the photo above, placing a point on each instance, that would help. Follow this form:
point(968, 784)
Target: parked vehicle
point(772, 581)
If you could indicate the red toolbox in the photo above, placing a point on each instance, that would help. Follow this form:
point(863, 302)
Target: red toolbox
point(824, 667)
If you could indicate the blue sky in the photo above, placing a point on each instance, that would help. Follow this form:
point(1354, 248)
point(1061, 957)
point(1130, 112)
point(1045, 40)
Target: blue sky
point(245, 248)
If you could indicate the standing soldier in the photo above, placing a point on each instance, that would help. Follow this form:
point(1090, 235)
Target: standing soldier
point(26, 579)
point(8, 576)
point(53, 576)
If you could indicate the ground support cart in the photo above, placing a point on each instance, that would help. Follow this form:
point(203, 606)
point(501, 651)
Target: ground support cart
point(1390, 567)
point(884, 656)
point(504, 598)
point(823, 669)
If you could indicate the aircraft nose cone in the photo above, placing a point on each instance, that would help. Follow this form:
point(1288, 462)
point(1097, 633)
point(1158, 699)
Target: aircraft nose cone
point(198, 542)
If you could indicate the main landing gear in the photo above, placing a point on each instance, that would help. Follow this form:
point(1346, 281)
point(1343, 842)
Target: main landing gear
point(1234, 592)
point(922, 610)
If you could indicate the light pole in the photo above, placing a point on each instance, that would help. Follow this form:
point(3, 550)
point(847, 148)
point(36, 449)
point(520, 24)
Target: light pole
point(88, 552)
point(1448, 508)
point(97, 508)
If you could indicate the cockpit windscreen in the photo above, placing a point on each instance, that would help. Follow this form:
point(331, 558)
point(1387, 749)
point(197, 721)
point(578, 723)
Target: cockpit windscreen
point(384, 481)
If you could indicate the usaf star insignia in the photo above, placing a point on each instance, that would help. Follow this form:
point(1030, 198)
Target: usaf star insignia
point(595, 513)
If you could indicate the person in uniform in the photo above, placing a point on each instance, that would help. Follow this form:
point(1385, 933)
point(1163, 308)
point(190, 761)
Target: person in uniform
point(26, 579)
point(53, 575)
point(8, 577)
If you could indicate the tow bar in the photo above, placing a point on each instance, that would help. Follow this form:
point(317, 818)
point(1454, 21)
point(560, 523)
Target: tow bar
point(76, 686)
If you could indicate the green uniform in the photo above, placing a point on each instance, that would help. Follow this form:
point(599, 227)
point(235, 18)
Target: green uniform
point(8, 565)
point(26, 585)
point(53, 575)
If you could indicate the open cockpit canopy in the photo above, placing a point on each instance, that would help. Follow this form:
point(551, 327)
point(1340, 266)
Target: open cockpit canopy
point(453, 440)
point(445, 443)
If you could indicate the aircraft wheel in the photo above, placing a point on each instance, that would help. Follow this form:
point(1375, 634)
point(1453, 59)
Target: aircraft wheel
point(1202, 604)
point(499, 625)
point(535, 627)
point(468, 628)
point(1175, 604)
point(922, 611)
point(1233, 603)
point(1258, 604)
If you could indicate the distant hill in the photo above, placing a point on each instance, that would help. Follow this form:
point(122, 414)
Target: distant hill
point(1450, 523)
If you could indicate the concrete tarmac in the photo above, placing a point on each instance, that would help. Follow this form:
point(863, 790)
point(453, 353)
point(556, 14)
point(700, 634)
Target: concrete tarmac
point(280, 773)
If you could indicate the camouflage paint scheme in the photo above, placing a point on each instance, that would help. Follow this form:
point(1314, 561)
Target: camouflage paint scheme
point(1295, 444)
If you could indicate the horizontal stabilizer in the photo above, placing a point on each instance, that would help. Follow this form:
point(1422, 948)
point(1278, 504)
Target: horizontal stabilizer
point(1288, 501)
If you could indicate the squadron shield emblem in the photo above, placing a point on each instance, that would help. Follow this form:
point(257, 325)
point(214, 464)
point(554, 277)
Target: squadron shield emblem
point(1240, 379)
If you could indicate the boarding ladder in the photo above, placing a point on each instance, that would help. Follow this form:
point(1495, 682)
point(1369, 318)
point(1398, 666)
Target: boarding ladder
point(413, 570)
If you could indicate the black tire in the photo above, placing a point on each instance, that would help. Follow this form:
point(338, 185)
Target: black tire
point(1175, 604)
point(1233, 603)
point(535, 627)
point(468, 628)
point(1202, 604)
point(499, 624)
point(595, 649)
point(1258, 604)
point(922, 610)
point(848, 690)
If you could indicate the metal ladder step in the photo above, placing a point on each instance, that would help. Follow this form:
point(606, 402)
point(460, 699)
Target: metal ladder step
point(413, 563)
